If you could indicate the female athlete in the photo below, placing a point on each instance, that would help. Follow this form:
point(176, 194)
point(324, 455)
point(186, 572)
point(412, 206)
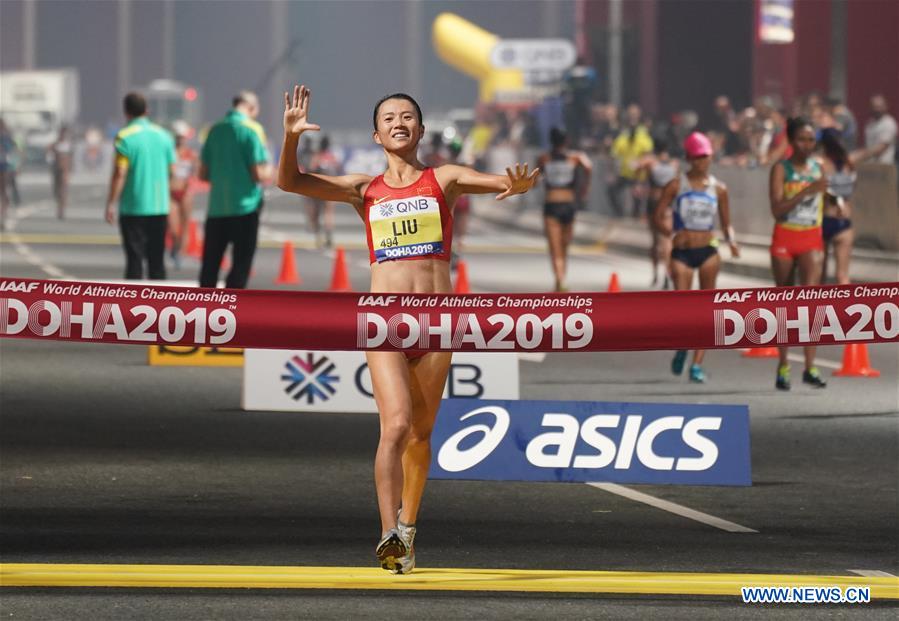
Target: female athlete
point(695, 198)
point(324, 162)
point(796, 190)
point(662, 169)
point(840, 169)
point(408, 254)
point(560, 176)
point(184, 174)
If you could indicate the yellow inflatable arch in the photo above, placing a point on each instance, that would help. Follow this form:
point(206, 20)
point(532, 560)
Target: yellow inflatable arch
point(466, 47)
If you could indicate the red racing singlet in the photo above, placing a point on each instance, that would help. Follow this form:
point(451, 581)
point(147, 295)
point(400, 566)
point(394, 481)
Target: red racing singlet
point(413, 222)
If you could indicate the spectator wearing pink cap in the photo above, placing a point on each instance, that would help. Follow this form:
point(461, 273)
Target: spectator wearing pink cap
point(695, 198)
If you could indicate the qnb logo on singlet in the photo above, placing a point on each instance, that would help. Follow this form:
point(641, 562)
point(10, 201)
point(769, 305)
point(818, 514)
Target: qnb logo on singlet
point(406, 227)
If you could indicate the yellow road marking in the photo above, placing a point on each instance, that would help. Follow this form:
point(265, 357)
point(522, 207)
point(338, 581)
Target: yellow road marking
point(509, 580)
point(115, 240)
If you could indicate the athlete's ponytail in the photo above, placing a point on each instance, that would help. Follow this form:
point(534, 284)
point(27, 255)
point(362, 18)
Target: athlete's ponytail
point(833, 147)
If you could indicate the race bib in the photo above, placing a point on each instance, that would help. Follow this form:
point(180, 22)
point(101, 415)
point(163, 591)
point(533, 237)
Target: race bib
point(697, 212)
point(807, 212)
point(406, 227)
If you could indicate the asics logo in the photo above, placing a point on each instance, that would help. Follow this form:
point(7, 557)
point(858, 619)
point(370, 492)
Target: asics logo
point(452, 458)
point(564, 441)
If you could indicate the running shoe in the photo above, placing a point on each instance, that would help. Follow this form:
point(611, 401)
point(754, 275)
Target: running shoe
point(813, 378)
point(783, 378)
point(677, 364)
point(407, 533)
point(697, 375)
point(390, 550)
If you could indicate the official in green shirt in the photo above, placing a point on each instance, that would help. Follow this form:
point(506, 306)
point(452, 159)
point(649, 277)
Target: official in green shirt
point(144, 155)
point(235, 161)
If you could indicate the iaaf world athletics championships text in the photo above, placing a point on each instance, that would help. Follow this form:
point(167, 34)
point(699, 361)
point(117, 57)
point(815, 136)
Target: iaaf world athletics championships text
point(144, 293)
point(475, 301)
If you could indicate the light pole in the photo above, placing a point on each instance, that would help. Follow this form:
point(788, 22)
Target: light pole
point(29, 34)
point(168, 39)
point(124, 47)
point(615, 52)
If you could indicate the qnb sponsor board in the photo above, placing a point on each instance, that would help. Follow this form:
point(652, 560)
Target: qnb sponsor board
point(533, 54)
point(326, 321)
point(179, 356)
point(319, 381)
point(577, 441)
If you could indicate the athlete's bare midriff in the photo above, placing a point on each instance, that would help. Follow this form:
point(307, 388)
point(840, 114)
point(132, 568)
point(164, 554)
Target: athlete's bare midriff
point(684, 240)
point(559, 195)
point(411, 276)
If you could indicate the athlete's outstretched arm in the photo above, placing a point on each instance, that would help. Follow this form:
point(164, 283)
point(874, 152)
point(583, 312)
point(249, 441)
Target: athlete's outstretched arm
point(343, 189)
point(463, 180)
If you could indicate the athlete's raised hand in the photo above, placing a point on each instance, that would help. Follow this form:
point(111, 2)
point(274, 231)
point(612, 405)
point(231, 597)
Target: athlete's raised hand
point(296, 111)
point(519, 181)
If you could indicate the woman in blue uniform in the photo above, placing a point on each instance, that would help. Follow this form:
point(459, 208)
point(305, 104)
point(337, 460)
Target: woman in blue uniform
point(695, 200)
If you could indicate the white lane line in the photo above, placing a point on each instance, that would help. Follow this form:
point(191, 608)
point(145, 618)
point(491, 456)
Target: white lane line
point(872, 573)
point(269, 233)
point(50, 270)
point(24, 250)
point(828, 364)
point(672, 507)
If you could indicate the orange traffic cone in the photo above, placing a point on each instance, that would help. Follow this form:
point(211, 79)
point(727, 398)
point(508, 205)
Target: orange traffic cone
point(614, 286)
point(194, 245)
point(856, 363)
point(288, 274)
point(340, 280)
point(462, 285)
point(761, 352)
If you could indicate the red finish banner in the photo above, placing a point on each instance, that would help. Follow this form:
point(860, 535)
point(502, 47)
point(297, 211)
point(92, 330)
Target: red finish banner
point(651, 320)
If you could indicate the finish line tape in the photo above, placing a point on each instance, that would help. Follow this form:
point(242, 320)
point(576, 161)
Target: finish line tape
point(650, 320)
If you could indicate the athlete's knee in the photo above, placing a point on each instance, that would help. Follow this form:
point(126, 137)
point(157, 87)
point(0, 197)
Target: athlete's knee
point(420, 434)
point(396, 429)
